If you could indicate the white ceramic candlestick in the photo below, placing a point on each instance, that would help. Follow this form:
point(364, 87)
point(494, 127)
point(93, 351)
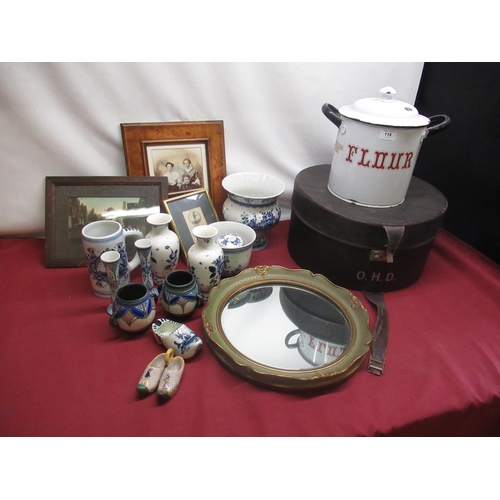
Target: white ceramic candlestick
point(143, 247)
point(111, 261)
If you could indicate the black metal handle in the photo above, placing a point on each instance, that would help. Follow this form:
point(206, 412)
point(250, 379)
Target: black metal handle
point(437, 124)
point(332, 113)
point(289, 336)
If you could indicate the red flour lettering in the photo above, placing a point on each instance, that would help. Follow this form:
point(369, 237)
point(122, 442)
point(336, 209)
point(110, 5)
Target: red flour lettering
point(333, 350)
point(320, 348)
point(393, 166)
point(378, 155)
point(378, 158)
point(407, 164)
point(352, 150)
point(362, 161)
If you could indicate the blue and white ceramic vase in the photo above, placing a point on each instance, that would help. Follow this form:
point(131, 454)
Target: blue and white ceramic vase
point(252, 199)
point(111, 260)
point(143, 247)
point(206, 259)
point(165, 246)
point(134, 308)
point(180, 294)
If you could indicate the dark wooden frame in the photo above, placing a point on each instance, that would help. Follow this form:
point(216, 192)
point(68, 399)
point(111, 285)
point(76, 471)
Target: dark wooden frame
point(137, 136)
point(176, 206)
point(60, 250)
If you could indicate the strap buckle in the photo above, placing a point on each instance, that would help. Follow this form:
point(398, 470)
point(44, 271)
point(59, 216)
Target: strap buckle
point(376, 366)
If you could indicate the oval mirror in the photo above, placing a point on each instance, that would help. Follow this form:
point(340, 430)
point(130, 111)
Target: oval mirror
point(286, 329)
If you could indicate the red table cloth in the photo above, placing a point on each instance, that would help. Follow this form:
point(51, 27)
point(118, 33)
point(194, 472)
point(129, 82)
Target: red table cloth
point(66, 372)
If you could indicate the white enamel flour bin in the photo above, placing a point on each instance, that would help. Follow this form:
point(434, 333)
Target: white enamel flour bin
point(376, 149)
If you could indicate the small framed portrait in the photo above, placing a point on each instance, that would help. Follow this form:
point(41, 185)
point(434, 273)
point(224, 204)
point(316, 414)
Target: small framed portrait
point(184, 165)
point(191, 155)
point(73, 202)
point(189, 211)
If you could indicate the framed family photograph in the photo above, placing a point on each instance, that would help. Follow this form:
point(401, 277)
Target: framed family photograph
point(73, 202)
point(191, 155)
point(189, 211)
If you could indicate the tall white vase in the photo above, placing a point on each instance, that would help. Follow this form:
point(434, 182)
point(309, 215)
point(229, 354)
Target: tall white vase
point(164, 246)
point(206, 259)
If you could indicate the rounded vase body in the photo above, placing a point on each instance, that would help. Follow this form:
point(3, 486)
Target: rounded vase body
point(164, 247)
point(253, 200)
point(180, 293)
point(206, 259)
point(134, 308)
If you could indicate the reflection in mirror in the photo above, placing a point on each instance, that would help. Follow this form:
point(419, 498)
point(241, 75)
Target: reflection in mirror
point(285, 327)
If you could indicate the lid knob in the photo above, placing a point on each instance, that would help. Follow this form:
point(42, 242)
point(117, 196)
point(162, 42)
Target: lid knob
point(387, 92)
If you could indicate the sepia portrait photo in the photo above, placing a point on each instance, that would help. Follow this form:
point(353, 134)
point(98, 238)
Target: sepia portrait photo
point(184, 165)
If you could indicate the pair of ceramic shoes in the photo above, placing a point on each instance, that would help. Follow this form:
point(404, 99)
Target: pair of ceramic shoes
point(162, 375)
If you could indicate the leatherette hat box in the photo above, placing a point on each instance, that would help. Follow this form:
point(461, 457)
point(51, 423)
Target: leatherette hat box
point(361, 248)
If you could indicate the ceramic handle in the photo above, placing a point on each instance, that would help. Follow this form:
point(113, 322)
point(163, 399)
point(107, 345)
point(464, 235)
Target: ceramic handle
point(133, 234)
point(111, 319)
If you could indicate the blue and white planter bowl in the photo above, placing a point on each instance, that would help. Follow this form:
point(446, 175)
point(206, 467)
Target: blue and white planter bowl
point(236, 241)
point(252, 199)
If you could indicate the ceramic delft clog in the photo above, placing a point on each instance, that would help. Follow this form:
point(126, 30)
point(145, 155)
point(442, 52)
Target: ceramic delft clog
point(171, 378)
point(150, 379)
point(177, 336)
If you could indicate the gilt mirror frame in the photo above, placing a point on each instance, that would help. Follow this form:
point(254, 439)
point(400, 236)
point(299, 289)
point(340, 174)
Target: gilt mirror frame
point(277, 378)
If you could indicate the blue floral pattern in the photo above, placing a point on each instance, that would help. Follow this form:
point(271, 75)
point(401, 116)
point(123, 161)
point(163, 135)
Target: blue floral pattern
point(97, 269)
point(185, 341)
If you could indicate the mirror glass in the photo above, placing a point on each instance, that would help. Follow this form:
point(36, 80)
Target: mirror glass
point(286, 327)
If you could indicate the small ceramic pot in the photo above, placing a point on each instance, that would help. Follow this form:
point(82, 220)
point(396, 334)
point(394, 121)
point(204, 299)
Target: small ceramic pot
point(134, 308)
point(177, 336)
point(180, 294)
point(236, 240)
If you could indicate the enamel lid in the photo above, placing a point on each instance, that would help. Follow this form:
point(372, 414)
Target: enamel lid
point(385, 110)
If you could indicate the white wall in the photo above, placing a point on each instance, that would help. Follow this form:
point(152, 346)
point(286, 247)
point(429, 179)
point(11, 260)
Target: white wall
point(64, 118)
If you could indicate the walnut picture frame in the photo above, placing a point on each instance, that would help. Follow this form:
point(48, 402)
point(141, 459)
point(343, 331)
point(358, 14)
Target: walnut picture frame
point(152, 148)
point(73, 202)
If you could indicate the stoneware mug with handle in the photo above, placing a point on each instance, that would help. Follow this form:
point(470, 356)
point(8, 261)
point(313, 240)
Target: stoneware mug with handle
point(102, 236)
